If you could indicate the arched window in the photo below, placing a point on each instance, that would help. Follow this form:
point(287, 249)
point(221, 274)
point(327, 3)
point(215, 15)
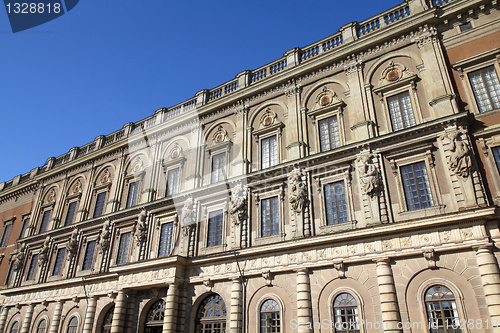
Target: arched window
point(211, 315)
point(154, 318)
point(345, 312)
point(42, 327)
point(15, 328)
point(72, 325)
point(442, 310)
point(107, 321)
point(270, 317)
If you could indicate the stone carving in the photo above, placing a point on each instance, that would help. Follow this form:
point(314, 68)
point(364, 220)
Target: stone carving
point(104, 237)
point(209, 284)
point(340, 268)
point(141, 227)
point(238, 209)
point(19, 257)
point(72, 246)
point(268, 277)
point(44, 252)
point(298, 190)
point(430, 256)
point(369, 175)
point(459, 161)
point(188, 219)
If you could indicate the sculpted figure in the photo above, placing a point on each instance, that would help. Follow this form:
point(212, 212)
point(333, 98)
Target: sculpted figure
point(238, 209)
point(368, 174)
point(44, 252)
point(188, 216)
point(72, 245)
point(141, 227)
point(459, 160)
point(19, 257)
point(104, 237)
point(298, 191)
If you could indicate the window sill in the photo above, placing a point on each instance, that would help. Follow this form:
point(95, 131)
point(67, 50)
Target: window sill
point(213, 249)
point(485, 113)
point(422, 212)
point(263, 240)
point(339, 227)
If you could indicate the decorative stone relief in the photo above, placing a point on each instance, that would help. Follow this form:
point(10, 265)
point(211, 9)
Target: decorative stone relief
point(43, 255)
point(220, 135)
point(141, 227)
point(459, 160)
point(72, 245)
point(18, 258)
point(77, 187)
point(369, 174)
point(430, 256)
point(340, 268)
point(298, 190)
point(209, 284)
point(268, 118)
point(268, 277)
point(238, 209)
point(104, 237)
point(105, 176)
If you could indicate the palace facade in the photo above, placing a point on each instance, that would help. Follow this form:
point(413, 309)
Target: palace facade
point(350, 186)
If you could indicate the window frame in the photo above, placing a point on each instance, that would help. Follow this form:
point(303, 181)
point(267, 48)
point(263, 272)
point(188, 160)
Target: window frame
point(206, 209)
point(170, 217)
point(81, 257)
point(85, 255)
point(220, 212)
point(127, 254)
point(488, 140)
point(175, 190)
point(360, 304)
point(76, 317)
point(278, 191)
point(258, 308)
point(95, 201)
point(266, 132)
point(7, 228)
point(24, 217)
point(41, 216)
point(213, 155)
point(336, 109)
point(128, 186)
point(36, 271)
point(67, 210)
point(53, 266)
point(174, 163)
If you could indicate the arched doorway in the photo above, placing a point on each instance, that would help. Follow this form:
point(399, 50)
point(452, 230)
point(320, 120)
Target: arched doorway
point(154, 318)
point(211, 315)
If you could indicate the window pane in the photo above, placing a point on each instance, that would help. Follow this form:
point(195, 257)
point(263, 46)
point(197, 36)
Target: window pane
point(73, 325)
point(89, 256)
point(496, 155)
point(172, 181)
point(329, 133)
point(486, 88)
point(401, 111)
point(269, 152)
point(345, 313)
point(5, 236)
point(32, 268)
point(10, 275)
point(441, 310)
point(42, 327)
point(270, 216)
point(26, 223)
point(71, 213)
point(215, 228)
point(218, 167)
point(123, 248)
point(133, 191)
point(270, 317)
point(166, 239)
point(335, 202)
point(59, 262)
point(99, 204)
point(416, 185)
point(45, 220)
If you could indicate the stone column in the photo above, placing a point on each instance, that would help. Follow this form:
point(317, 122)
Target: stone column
point(56, 317)
point(117, 325)
point(236, 306)
point(170, 319)
point(304, 311)
point(27, 319)
point(490, 276)
point(89, 315)
point(3, 318)
point(388, 299)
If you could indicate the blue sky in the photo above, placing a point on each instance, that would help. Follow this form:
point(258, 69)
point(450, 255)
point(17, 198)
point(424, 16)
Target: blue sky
point(107, 63)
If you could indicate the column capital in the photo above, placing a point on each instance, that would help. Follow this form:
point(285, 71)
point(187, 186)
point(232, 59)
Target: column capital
point(483, 248)
point(382, 261)
point(303, 270)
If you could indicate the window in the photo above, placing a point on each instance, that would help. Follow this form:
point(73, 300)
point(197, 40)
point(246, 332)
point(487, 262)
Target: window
point(73, 325)
point(45, 220)
point(10, 275)
point(99, 204)
point(486, 88)
point(123, 248)
point(15, 328)
point(218, 167)
point(166, 239)
point(401, 111)
point(154, 318)
point(345, 313)
point(89, 256)
point(416, 186)
point(32, 269)
point(173, 181)
point(133, 190)
point(442, 312)
point(59, 262)
point(335, 202)
point(211, 315)
point(107, 321)
point(215, 220)
point(26, 223)
point(269, 152)
point(42, 326)
point(270, 217)
point(496, 156)
point(5, 236)
point(329, 133)
point(70, 215)
point(465, 26)
point(270, 317)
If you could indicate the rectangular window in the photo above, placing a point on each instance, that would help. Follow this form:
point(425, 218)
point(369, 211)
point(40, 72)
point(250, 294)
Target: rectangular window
point(218, 167)
point(89, 256)
point(486, 88)
point(26, 223)
point(269, 152)
point(166, 239)
point(335, 202)
point(215, 228)
point(99, 204)
point(123, 248)
point(496, 155)
point(416, 185)
point(70, 215)
point(59, 262)
point(45, 220)
point(329, 133)
point(10, 275)
point(133, 190)
point(5, 236)
point(172, 181)
point(270, 216)
point(32, 269)
point(401, 111)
